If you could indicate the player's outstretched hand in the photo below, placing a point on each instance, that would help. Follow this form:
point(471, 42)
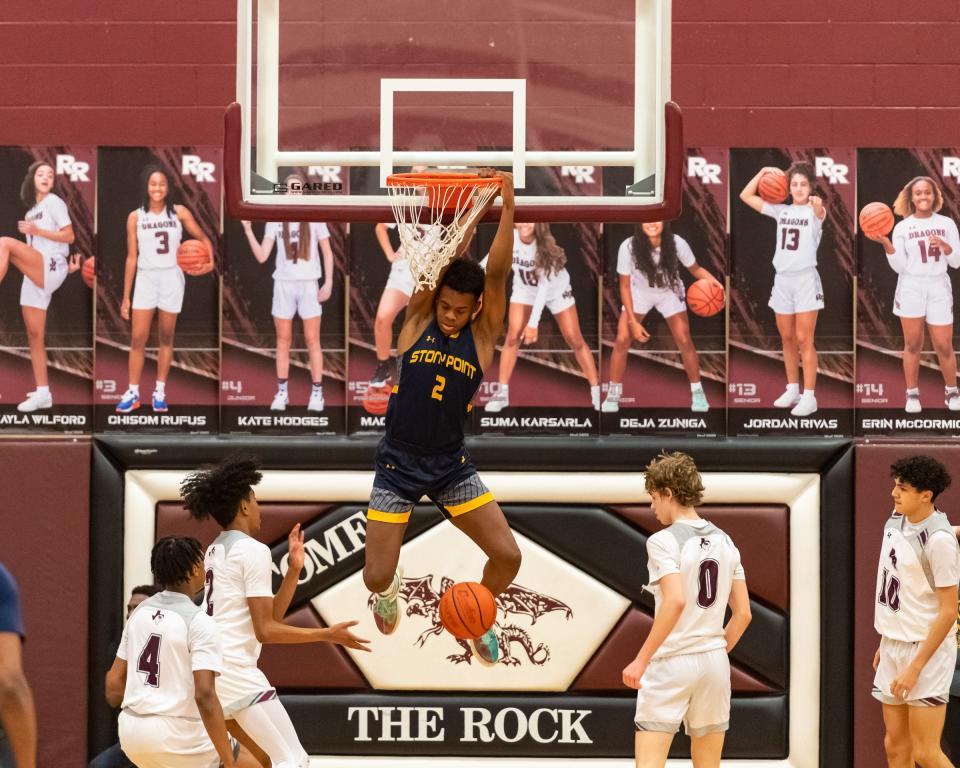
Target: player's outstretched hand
point(530, 335)
point(632, 674)
point(638, 332)
point(295, 547)
point(882, 239)
point(341, 635)
point(771, 169)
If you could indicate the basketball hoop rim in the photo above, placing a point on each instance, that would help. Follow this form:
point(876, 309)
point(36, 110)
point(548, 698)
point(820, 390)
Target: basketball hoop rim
point(442, 179)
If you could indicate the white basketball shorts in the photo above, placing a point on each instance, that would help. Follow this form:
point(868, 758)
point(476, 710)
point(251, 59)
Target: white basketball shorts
point(795, 292)
point(667, 301)
point(159, 289)
point(154, 741)
point(933, 685)
point(296, 297)
point(928, 297)
point(400, 278)
point(54, 273)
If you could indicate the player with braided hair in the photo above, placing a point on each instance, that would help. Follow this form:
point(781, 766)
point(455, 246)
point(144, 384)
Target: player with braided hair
point(239, 596)
point(171, 716)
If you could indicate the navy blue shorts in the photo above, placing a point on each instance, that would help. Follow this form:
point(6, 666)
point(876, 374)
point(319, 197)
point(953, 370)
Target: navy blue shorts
point(403, 477)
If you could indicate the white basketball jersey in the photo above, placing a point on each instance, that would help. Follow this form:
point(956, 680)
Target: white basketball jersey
point(288, 266)
point(525, 274)
point(51, 215)
point(708, 563)
point(238, 567)
point(167, 639)
point(914, 253)
point(627, 264)
point(908, 574)
point(798, 236)
point(158, 238)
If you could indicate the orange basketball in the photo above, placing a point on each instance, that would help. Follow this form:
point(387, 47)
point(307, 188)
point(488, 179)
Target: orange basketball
point(88, 271)
point(376, 399)
point(876, 219)
point(773, 187)
point(705, 298)
point(192, 256)
point(467, 610)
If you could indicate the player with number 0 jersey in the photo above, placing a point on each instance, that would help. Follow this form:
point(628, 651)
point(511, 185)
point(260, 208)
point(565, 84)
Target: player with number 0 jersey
point(925, 243)
point(682, 673)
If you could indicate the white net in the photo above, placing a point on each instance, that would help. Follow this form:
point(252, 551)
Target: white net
point(432, 221)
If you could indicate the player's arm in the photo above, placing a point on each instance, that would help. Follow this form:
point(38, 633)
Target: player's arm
point(950, 245)
point(115, 682)
point(819, 209)
point(190, 224)
point(750, 196)
point(531, 332)
point(701, 273)
point(940, 627)
point(499, 264)
point(382, 232)
point(63, 235)
point(626, 298)
point(295, 558)
point(205, 694)
point(740, 614)
point(671, 607)
point(130, 267)
point(269, 630)
point(261, 251)
point(17, 714)
point(327, 288)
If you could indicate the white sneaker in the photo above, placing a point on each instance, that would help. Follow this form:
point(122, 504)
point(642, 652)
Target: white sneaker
point(35, 401)
point(913, 404)
point(280, 401)
point(805, 407)
point(698, 401)
point(788, 399)
point(316, 401)
point(498, 402)
point(595, 397)
point(611, 403)
point(952, 400)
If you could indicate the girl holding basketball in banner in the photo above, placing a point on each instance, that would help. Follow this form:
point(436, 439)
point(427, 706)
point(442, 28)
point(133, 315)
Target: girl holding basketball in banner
point(648, 266)
point(448, 339)
point(925, 243)
point(540, 279)
point(297, 290)
point(797, 296)
point(154, 234)
point(45, 261)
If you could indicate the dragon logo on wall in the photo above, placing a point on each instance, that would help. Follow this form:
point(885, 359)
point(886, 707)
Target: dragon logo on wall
point(423, 600)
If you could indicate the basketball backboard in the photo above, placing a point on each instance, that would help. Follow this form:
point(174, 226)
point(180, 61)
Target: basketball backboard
point(573, 97)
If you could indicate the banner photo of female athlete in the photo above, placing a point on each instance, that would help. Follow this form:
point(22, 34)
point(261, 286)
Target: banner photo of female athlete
point(157, 339)
point(46, 310)
point(544, 379)
point(664, 359)
point(791, 292)
point(908, 287)
point(283, 362)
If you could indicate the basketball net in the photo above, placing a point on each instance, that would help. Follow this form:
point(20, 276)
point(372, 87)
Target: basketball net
point(433, 212)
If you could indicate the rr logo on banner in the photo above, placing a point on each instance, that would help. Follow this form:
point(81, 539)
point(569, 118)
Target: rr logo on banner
point(582, 174)
point(708, 173)
point(77, 170)
point(951, 167)
point(834, 173)
point(193, 165)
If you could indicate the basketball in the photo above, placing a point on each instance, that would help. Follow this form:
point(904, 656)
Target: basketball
point(876, 219)
point(467, 610)
point(705, 298)
point(773, 187)
point(192, 256)
point(88, 271)
point(376, 399)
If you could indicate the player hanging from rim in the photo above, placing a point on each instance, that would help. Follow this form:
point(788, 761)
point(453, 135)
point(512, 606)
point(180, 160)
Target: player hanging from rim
point(154, 232)
point(648, 269)
point(395, 297)
point(239, 596)
point(448, 339)
point(540, 279)
point(45, 262)
point(924, 244)
point(165, 671)
point(296, 292)
point(682, 671)
point(797, 295)
point(916, 614)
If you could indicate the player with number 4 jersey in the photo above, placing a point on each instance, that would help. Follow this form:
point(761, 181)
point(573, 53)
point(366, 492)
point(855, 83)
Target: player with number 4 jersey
point(915, 614)
point(925, 243)
point(797, 295)
point(682, 673)
point(164, 672)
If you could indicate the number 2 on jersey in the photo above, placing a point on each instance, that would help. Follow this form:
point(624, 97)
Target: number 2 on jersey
point(437, 393)
point(148, 661)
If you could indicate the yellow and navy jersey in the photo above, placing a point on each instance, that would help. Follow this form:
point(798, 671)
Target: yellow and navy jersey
point(439, 376)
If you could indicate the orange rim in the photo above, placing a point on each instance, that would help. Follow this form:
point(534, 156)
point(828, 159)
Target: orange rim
point(441, 180)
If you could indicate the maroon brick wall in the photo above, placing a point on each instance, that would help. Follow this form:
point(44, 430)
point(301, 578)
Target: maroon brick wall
point(750, 73)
